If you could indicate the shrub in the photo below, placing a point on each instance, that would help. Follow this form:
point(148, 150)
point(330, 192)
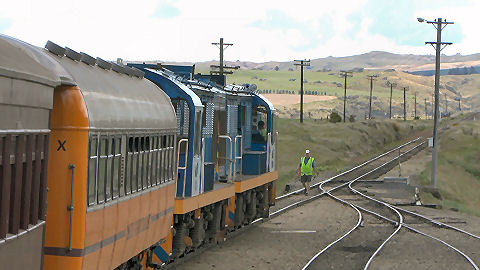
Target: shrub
point(334, 117)
point(351, 118)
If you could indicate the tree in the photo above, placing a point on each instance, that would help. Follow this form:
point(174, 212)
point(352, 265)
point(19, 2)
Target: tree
point(276, 68)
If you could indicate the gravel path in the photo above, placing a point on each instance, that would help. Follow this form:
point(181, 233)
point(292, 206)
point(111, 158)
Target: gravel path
point(285, 242)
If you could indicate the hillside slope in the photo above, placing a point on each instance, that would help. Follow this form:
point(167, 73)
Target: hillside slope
point(466, 87)
point(458, 169)
point(336, 146)
point(372, 60)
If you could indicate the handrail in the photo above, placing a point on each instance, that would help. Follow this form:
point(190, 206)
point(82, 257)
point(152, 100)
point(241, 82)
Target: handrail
point(184, 168)
point(70, 207)
point(226, 137)
point(269, 136)
point(237, 157)
point(202, 173)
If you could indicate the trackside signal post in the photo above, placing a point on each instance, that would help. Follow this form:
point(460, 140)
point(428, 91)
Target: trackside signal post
point(439, 24)
point(301, 63)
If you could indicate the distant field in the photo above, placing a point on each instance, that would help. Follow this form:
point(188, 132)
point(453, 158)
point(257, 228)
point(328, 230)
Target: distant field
point(358, 90)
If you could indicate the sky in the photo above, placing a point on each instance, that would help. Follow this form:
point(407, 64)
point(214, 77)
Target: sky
point(261, 30)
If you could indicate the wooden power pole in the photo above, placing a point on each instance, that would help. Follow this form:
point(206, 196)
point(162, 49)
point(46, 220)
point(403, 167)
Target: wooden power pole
point(371, 78)
point(221, 67)
point(301, 63)
point(345, 74)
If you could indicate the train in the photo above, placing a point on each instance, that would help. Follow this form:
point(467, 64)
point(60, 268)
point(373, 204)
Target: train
point(106, 165)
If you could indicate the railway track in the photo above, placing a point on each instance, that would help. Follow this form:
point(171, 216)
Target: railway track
point(380, 225)
point(370, 168)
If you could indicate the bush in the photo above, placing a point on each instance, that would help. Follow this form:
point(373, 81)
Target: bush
point(334, 117)
point(351, 118)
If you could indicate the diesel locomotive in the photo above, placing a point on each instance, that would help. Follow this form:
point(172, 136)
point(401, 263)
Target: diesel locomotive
point(112, 166)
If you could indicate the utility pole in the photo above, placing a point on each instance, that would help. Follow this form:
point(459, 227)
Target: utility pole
point(415, 115)
point(221, 67)
point(301, 63)
point(345, 74)
point(404, 104)
point(439, 25)
point(371, 78)
point(426, 112)
point(391, 92)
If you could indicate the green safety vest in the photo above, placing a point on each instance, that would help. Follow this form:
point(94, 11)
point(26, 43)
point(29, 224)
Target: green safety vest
point(307, 169)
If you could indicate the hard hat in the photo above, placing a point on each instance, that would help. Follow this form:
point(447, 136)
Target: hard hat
point(307, 151)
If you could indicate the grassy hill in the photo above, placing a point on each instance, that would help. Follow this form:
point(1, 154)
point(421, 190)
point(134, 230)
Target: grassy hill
point(358, 90)
point(372, 60)
point(458, 169)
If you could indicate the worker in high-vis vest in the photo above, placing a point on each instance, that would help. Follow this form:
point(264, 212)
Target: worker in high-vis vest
point(306, 169)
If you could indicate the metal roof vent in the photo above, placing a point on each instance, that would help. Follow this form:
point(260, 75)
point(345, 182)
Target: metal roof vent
point(118, 68)
point(75, 56)
point(138, 73)
point(103, 64)
point(87, 59)
point(55, 49)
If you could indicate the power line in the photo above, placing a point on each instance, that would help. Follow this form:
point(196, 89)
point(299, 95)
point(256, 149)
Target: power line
point(371, 78)
point(301, 63)
point(345, 74)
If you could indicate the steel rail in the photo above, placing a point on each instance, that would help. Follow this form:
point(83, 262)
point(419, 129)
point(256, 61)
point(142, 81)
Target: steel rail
point(298, 191)
point(399, 224)
point(299, 203)
point(437, 223)
point(356, 207)
point(393, 222)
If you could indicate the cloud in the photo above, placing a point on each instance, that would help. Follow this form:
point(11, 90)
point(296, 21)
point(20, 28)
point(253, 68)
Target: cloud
point(5, 23)
point(396, 20)
point(166, 10)
point(304, 35)
point(182, 30)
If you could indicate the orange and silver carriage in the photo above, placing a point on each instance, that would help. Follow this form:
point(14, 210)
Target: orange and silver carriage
point(108, 135)
point(111, 181)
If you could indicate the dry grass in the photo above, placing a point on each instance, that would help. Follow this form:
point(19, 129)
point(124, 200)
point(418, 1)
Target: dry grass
point(336, 147)
point(458, 173)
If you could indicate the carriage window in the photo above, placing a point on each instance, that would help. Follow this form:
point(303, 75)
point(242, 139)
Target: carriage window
point(108, 170)
point(135, 164)
point(117, 155)
point(102, 166)
point(128, 166)
point(153, 158)
point(148, 162)
point(92, 170)
point(164, 159)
